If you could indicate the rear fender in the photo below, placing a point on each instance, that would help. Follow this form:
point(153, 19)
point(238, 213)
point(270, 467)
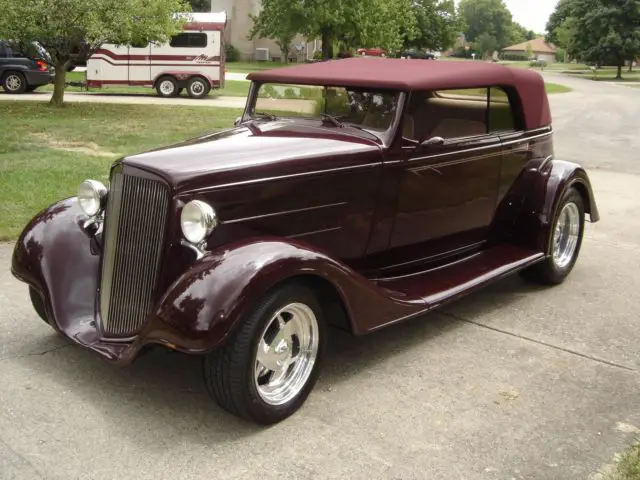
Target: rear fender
point(551, 181)
point(208, 301)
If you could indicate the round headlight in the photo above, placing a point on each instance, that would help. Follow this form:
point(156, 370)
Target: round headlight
point(197, 220)
point(91, 197)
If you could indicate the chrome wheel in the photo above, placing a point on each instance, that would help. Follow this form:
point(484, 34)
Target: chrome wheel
point(13, 83)
point(167, 88)
point(566, 235)
point(286, 353)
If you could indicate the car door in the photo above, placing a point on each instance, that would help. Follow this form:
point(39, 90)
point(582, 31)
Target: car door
point(447, 189)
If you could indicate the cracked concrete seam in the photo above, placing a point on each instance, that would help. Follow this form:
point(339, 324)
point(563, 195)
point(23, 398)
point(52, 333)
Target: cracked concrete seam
point(539, 342)
point(35, 354)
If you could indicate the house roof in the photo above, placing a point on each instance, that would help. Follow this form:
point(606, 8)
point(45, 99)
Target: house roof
point(415, 75)
point(538, 45)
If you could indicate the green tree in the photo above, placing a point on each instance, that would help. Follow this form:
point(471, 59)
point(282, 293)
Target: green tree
point(489, 18)
point(562, 12)
point(65, 26)
point(519, 34)
point(380, 23)
point(437, 25)
point(200, 5)
point(485, 44)
point(529, 51)
point(279, 20)
point(605, 30)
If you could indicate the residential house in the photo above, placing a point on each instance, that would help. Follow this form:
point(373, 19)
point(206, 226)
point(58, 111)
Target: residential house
point(539, 49)
point(239, 25)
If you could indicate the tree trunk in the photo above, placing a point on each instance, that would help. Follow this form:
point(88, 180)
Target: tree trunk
point(58, 84)
point(326, 43)
point(285, 55)
point(630, 66)
point(619, 75)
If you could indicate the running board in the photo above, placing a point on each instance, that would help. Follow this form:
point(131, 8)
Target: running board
point(448, 282)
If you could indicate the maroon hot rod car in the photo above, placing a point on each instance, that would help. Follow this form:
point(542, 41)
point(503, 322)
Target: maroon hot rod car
point(355, 193)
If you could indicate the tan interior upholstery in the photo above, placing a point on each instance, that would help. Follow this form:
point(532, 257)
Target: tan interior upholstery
point(449, 118)
point(458, 127)
point(408, 127)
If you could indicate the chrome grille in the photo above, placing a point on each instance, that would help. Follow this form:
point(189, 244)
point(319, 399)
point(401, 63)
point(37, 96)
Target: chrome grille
point(134, 234)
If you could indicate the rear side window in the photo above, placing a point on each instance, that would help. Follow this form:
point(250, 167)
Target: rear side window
point(501, 118)
point(189, 40)
point(468, 112)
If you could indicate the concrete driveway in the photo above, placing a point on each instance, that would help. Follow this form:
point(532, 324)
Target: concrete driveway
point(515, 382)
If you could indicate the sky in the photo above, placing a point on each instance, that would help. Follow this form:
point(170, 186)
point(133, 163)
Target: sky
point(532, 14)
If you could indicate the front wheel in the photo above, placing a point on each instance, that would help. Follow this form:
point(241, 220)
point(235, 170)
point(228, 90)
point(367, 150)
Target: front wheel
point(265, 372)
point(566, 240)
point(167, 87)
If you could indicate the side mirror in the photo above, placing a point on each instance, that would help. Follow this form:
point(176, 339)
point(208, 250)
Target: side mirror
point(432, 141)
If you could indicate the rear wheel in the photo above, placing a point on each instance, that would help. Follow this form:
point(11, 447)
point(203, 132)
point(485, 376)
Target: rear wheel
point(566, 240)
point(14, 82)
point(167, 87)
point(265, 372)
point(198, 87)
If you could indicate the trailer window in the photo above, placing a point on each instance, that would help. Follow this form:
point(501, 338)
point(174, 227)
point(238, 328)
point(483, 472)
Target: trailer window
point(189, 40)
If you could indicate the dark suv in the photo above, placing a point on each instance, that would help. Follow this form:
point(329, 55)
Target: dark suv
point(23, 68)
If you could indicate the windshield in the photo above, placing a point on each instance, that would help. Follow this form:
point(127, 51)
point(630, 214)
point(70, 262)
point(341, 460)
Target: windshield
point(371, 110)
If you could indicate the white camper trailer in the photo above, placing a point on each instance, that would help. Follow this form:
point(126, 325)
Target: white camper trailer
point(192, 60)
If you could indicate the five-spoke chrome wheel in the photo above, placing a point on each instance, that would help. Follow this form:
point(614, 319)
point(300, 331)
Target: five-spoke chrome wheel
point(286, 353)
point(266, 370)
point(566, 235)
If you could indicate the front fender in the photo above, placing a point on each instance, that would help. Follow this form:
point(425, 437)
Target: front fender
point(209, 300)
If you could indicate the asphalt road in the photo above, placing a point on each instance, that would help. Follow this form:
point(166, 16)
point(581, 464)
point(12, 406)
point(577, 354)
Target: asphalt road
point(514, 382)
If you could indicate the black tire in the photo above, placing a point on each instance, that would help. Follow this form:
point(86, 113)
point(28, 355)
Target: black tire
point(198, 87)
point(38, 304)
point(229, 371)
point(31, 88)
point(549, 272)
point(14, 82)
point(167, 87)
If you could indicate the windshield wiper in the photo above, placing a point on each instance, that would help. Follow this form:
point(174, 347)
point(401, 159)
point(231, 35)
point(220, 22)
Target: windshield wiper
point(333, 119)
point(269, 116)
point(362, 129)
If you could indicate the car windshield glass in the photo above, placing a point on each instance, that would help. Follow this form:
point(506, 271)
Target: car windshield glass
point(336, 106)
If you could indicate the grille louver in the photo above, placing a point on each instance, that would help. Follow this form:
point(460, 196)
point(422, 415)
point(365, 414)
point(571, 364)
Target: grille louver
point(134, 235)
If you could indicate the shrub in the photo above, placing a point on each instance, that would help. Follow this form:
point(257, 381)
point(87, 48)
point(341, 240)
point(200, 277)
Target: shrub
point(232, 54)
point(317, 55)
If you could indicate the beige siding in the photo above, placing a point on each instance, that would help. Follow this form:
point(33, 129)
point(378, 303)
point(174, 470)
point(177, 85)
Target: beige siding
point(239, 25)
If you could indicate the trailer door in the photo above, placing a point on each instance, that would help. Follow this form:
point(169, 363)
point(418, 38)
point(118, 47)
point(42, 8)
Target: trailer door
point(140, 65)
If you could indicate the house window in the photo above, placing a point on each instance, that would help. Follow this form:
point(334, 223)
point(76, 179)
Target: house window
point(189, 40)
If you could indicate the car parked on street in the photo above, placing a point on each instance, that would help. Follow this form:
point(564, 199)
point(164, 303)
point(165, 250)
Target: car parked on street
point(23, 68)
point(417, 54)
point(372, 52)
point(353, 193)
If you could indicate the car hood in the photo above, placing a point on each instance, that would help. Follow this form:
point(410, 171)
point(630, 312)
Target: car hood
point(255, 151)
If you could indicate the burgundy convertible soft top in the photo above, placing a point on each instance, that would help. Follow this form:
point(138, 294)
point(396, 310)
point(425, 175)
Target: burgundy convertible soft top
point(411, 75)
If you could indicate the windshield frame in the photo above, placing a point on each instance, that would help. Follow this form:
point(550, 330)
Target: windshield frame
point(386, 136)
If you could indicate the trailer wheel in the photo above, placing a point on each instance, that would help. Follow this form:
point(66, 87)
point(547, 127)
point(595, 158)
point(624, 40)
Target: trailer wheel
point(167, 87)
point(198, 87)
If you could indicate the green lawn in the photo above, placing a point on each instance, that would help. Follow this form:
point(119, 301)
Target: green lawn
point(233, 88)
point(627, 466)
point(607, 75)
point(45, 153)
point(246, 67)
